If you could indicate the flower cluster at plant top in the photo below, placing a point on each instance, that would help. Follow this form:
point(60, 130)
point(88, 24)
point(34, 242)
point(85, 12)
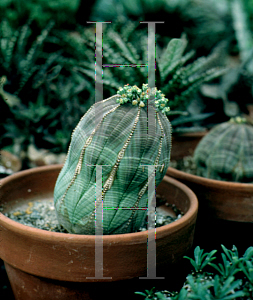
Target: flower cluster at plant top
point(138, 96)
point(238, 120)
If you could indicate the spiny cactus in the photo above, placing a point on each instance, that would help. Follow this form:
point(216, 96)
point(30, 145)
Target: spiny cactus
point(226, 152)
point(40, 95)
point(234, 92)
point(114, 133)
point(19, 56)
point(175, 74)
point(236, 86)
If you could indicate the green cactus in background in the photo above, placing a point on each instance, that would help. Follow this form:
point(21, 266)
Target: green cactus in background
point(40, 95)
point(177, 74)
point(114, 133)
point(226, 152)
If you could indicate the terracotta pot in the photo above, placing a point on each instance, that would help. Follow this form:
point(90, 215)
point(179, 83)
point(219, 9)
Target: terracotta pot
point(223, 200)
point(50, 265)
point(184, 144)
point(219, 202)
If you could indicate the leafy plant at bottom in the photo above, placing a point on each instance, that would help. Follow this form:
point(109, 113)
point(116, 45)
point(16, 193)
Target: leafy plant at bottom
point(152, 294)
point(201, 259)
point(228, 280)
point(230, 264)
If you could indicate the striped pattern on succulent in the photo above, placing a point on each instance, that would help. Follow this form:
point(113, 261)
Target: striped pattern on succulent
point(113, 135)
point(226, 152)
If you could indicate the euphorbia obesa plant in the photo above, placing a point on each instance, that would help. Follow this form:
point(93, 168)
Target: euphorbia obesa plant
point(226, 152)
point(113, 134)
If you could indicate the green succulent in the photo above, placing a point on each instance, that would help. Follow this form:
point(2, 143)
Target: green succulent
point(230, 279)
point(40, 94)
point(177, 73)
point(235, 89)
point(113, 133)
point(226, 152)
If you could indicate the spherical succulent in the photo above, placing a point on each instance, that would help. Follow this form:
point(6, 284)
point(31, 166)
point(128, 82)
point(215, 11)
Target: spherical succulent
point(113, 134)
point(226, 152)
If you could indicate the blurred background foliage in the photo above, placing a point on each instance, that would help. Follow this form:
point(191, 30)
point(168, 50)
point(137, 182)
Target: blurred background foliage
point(47, 63)
point(63, 12)
point(205, 22)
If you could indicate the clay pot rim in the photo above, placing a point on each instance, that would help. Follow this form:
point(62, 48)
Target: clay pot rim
point(107, 239)
point(207, 181)
point(190, 134)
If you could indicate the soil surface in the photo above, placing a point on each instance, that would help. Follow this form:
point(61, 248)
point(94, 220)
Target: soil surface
point(42, 215)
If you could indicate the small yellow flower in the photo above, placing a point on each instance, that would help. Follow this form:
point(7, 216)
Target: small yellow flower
point(142, 104)
point(134, 102)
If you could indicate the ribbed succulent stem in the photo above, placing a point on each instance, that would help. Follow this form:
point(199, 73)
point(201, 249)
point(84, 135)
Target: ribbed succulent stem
point(226, 152)
point(110, 179)
point(117, 138)
point(144, 188)
point(87, 143)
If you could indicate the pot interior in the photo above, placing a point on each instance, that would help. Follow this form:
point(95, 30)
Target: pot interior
point(26, 188)
point(174, 196)
point(75, 254)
